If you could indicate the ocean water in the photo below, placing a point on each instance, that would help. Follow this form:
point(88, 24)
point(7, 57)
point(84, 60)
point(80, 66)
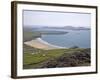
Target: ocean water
point(80, 38)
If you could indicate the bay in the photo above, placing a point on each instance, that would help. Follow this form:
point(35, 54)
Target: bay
point(80, 38)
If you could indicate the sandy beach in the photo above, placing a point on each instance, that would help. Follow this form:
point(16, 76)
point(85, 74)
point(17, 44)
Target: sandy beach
point(41, 44)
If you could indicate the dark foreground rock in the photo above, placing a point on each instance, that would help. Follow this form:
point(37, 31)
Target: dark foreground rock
point(69, 59)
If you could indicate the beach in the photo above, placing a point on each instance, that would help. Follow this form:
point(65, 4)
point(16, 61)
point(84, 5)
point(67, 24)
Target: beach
point(41, 44)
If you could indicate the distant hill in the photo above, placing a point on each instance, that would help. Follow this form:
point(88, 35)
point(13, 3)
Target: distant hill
point(55, 27)
point(68, 28)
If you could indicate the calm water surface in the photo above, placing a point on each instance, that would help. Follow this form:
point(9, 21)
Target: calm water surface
point(80, 38)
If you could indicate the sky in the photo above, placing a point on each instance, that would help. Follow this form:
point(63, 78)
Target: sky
point(56, 19)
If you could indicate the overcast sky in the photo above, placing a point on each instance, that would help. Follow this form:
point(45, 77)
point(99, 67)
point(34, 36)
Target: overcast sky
point(59, 19)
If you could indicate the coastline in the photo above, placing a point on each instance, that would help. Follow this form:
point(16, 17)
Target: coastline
point(41, 44)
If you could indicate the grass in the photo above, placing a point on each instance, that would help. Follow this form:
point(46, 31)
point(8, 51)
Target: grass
point(41, 55)
point(29, 35)
point(34, 59)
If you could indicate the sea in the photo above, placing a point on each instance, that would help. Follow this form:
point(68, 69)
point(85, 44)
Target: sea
point(79, 38)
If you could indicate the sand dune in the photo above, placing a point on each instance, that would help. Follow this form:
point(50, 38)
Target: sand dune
point(41, 44)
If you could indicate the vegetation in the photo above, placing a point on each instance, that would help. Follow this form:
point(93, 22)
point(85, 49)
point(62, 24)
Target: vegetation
point(36, 58)
point(29, 35)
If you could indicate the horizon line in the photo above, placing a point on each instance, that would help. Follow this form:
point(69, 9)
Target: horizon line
point(56, 26)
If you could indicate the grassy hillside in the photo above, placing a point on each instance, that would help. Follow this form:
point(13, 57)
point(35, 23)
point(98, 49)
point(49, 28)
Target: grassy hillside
point(37, 58)
point(28, 35)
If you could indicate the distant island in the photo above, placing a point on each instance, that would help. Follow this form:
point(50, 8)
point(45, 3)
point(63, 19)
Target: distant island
point(55, 27)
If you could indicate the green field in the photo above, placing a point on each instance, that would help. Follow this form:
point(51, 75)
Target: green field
point(36, 58)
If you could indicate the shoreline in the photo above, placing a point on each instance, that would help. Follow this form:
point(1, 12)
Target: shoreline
point(41, 44)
